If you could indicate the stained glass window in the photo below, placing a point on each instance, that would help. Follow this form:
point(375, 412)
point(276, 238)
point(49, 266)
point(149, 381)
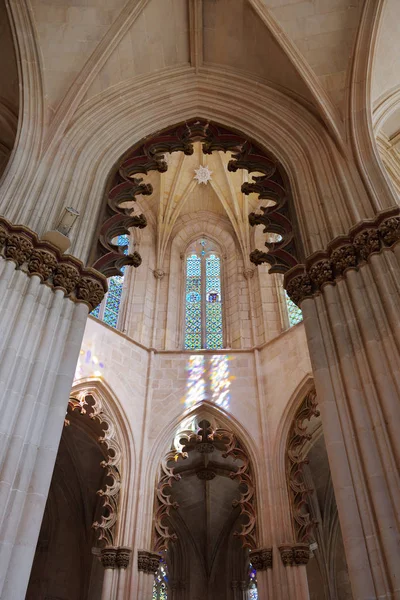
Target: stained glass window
point(253, 593)
point(203, 301)
point(160, 586)
point(294, 313)
point(109, 308)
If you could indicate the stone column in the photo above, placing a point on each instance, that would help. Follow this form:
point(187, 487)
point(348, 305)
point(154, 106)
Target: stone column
point(350, 298)
point(295, 558)
point(262, 560)
point(148, 563)
point(109, 562)
point(122, 559)
point(44, 302)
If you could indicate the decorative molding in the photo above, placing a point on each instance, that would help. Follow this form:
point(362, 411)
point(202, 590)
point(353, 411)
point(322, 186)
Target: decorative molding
point(21, 245)
point(294, 555)
point(204, 441)
point(271, 186)
point(261, 558)
point(158, 273)
point(148, 562)
point(299, 491)
point(110, 493)
point(343, 253)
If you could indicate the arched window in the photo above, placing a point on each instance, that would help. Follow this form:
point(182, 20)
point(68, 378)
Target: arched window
point(203, 299)
point(160, 586)
point(253, 593)
point(294, 313)
point(108, 310)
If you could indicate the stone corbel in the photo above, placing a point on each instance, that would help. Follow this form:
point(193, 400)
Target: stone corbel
point(113, 557)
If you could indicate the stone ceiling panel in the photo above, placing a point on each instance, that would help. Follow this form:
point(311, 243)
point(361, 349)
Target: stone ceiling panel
point(386, 70)
point(158, 39)
point(235, 37)
point(324, 32)
point(68, 32)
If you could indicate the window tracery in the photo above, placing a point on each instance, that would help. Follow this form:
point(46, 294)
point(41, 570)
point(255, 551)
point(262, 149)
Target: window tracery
point(108, 310)
point(203, 301)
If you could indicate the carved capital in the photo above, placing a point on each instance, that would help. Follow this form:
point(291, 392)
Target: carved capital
point(343, 258)
point(299, 287)
point(42, 263)
point(123, 557)
point(18, 248)
point(390, 230)
point(158, 273)
point(91, 291)
point(3, 236)
point(301, 554)
point(148, 562)
point(109, 557)
point(66, 276)
point(367, 242)
point(261, 559)
point(248, 273)
point(287, 555)
point(321, 272)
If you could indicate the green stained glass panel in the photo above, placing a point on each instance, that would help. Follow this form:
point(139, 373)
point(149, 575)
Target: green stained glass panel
point(193, 303)
point(294, 313)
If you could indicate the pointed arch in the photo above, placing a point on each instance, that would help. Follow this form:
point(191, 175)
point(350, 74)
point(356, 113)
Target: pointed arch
point(119, 439)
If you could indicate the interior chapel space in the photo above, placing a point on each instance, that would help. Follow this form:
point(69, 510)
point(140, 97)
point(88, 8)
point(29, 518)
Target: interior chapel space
point(199, 291)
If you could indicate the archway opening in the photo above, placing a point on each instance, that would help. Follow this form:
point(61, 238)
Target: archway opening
point(205, 517)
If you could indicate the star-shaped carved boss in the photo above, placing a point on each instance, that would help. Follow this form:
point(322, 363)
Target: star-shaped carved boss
point(203, 175)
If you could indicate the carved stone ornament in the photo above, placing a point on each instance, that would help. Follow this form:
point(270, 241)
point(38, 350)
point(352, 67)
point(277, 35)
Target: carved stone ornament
point(206, 474)
point(88, 403)
point(343, 253)
point(109, 557)
point(37, 258)
point(261, 559)
point(206, 439)
point(298, 489)
point(148, 562)
point(123, 557)
point(150, 155)
point(287, 555)
point(294, 555)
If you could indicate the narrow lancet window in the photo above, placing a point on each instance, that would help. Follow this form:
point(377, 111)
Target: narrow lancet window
point(203, 299)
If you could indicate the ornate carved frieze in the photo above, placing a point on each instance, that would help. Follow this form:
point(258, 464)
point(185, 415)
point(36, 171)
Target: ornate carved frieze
point(269, 184)
point(91, 405)
point(343, 253)
point(298, 489)
point(148, 562)
point(204, 441)
point(261, 559)
point(294, 555)
point(59, 271)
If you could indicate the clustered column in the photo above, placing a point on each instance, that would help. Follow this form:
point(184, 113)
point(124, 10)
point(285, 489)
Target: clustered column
point(350, 298)
point(44, 302)
point(262, 561)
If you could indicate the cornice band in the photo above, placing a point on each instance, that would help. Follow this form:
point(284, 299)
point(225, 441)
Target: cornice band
point(343, 253)
point(22, 246)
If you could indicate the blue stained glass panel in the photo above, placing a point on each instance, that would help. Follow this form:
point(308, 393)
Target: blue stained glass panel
point(213, 316)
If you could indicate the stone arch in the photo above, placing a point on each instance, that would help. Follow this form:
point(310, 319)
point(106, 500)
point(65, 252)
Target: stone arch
point(114, 527)
point(316, 169)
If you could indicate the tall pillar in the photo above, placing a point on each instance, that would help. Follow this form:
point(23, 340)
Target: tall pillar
point(44, 301)
point(123, 560)
point(295, 558)
point(350, 298)
point(109, 562)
